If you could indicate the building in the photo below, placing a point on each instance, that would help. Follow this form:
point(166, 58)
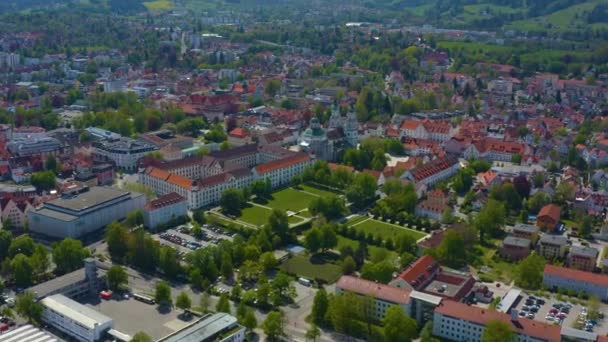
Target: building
point(548, 217)
point(552, 246)
point(593, 284)
point(456, 321)
point(164, 209)
point(34, 147)
point(82, 282)
point(125, 153)
point(427, 129)
point(77, 320)
point(75, 215)
point(434, 206)
point(210, 328)
point(341, 132)
point(164, 138)
point(427, 276)
point(494, 150)
point(515, 248)
point(583, 258)
point(525, 231)
point(27, 333)
point(13, 211)
point(384, 296)
point(431, 173)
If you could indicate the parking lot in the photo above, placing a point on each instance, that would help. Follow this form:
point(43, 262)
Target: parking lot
point(185, 243)
point(564, 313)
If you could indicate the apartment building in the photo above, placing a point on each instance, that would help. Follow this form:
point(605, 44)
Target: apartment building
point(583, 258)
point(552, 246)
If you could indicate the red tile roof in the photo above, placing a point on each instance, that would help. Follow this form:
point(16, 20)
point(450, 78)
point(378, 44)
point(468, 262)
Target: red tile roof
point(239, 133)
point(373, 289)
point(282, 163)
point(570, 273)
point(477, 315)
point(163, 201)
point(420, 271)
point(551, 210)
point(433, 167)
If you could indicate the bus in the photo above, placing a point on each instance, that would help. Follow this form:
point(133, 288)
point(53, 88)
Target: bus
point(305, 282)
point(142, 298)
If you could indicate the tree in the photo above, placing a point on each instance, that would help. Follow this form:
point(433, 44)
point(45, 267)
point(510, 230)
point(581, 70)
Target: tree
point(183, 301)
point(498, 331)
point(162, 294)
point(490, 219)
point(362, 191)
point(349, 265)
point(226, 266)
point(452, 251)
point(398, 326)
point(319, 307)
point(141, 337)
point(22, 270)
point(223, 305)
point(313, 332)
point(586, 227)
point(135, 218)
point(312, 240)
point(117, 277)
point(268, 261)
point(40, 260)
point(117, 238)
point(232, 201)
point(23, 244)
point(168, 261)
point(69, 255)
point(272, 87)
point(204, 302)
point(249, 321)
point(279, 224)
point(331, 207)
point(5, 241)
point(28, 308)
point(381, 272)
point(344, 312)
point(426, 335)
point(273, 325)
point(530, 272)
point(44, 180)
point(51, 163)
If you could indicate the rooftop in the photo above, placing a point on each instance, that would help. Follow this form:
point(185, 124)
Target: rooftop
point(515, 241)
point(528, 228)
point(570, 273)
point(56, 284)
point(376, 290)
point(28, 333)
point(204, 329)
point(588, 252)
point(559, 240)
point(75, 311)
point(551, 210)
point(165, 200)
point(94, 196)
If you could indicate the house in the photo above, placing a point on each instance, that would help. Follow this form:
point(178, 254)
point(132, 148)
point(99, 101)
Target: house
point(431, 173)
point(426, 275)
point(548, 217)
point(525, 231)
point(434, 206)
point(13, 211)
point(583, 258)
point(239, 137)
point(593, 284)
point(515, 248)
point(552, 246)
point(494, 150)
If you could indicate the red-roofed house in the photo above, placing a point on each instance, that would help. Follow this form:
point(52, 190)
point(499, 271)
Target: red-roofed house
point(548, 217)
point(239, 137)
point(494, 150)
point(455, 321)
point(384, 296)
point(431, 173)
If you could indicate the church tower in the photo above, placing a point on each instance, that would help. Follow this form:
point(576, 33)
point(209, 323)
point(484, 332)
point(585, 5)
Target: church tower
point(351, 129)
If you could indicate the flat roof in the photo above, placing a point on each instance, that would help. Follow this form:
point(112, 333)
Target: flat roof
point(426, 297)
point(43, 289)
point(508, 300)
point(75, 311)
point(203, 329)
point(56, 215)
point(94, 196)
point(28, 333)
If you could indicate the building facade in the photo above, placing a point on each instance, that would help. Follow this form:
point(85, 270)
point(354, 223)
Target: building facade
point(164, 209)
point(592, 284)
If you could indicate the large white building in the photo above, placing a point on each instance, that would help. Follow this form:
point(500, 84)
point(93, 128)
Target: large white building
point(455, 321)
point(202, 180)
point(592, 284)
point(164, 209)
point(79, 321)
point(74, 215)
point(431, 173)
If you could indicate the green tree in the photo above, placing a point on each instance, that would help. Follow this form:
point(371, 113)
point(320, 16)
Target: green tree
point(273, 326)
point(40, 259)
point(51, 163)
point(344, 312)
point(162, 294)
point(249, 321)
point(268, 261)
point(28, 307)
point(44, 180)
point(319, 307)
point(116, 277)
point(452, 250)
point(272, 87)
point(586, 227)
point(398, 326)
point(223, 305)
point(117, 238)
point(426, 335)
point(226, 266)
point(279, 224)
point(498, 331)
point(69, 255)
point(381, 271)
point(349, 265)
point(313, 332)
point(312, 240)
point(183, 301)
point(204, 302)
point(490, 219)
point(141, 337)
point(362, 191)
point(22, 244)
point(5, 241)
point(232, 201)
point(135, 218)
point(22, 270)
point(530, 272)
point(169, 261)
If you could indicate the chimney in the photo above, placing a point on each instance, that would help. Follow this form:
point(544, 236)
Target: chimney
point(514, 316)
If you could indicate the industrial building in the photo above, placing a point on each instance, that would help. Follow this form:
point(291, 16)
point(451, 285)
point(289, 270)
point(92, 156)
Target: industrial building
point(77, 320)
point(75, 215)
point(214, 327)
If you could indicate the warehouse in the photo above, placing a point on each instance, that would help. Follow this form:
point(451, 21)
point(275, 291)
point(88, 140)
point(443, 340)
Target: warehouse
point(77, 214)
point(77, 320)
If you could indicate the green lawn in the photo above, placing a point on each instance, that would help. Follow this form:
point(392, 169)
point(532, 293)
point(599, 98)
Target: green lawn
point(290, 199)
point(385, 230)
point(312, 268)
point(499, 270)
point(317, 191)
point(293, 219)
point(255, 215)
point(159, 5)
point(354, 244)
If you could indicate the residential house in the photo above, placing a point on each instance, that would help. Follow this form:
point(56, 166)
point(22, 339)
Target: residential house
point(552, 246)
point(583, 258)
point(525, 231)
point(548, 217)
point(515, 248)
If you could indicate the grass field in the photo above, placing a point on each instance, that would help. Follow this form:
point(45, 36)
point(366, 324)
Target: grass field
point(159, 5)
point(316, 191)
point(290, 199)
point(312, 268)
point(344, 241)
point(485, 256)
point(385, 230)
point(571, 18)
point(255, 215)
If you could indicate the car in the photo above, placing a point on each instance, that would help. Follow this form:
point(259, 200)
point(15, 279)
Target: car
point(558, 305)
point(550, 318)
point(589, 329)
point(532, 297)
point(530, 315)
point(525, 308)
point(565, 310)
point(540, 302)
point(522, 314)
point(529, 302)
point(534, 309)
point(554, 311)
point(561, 315)
point(10, 302)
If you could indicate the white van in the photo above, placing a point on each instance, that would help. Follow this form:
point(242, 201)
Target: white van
point(304, 282)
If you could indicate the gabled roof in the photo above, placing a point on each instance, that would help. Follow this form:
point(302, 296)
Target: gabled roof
point(420, 271)
point(550, 210)
point(574, 274)
point(369, 288)
point(282, 163)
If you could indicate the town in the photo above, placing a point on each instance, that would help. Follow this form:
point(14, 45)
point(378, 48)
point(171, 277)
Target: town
point(179, 171)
